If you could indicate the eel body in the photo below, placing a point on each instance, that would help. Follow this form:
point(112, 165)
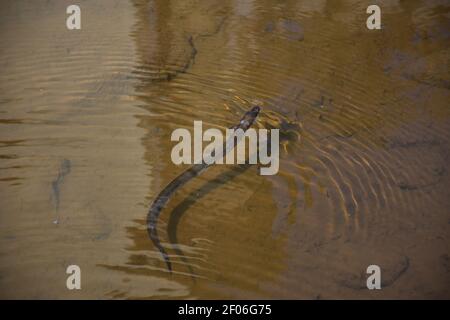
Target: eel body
point(195, 170)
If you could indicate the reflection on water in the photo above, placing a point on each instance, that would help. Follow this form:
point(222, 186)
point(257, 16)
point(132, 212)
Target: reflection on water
point(86, 118)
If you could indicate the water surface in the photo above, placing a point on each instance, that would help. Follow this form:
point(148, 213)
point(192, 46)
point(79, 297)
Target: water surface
point(85, 124)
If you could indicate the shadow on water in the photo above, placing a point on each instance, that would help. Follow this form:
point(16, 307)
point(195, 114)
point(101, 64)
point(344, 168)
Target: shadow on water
point(196, 195)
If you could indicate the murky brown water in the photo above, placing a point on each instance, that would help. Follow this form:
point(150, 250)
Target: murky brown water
point(85, 124)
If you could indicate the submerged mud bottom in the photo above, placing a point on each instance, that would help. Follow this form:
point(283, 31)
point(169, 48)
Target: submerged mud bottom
point(64, 170)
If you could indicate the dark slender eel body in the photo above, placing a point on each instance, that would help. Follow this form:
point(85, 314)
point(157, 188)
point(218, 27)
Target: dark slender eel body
point(164, 196)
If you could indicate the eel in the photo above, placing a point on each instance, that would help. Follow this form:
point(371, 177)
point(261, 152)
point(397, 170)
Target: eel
point(164, 196)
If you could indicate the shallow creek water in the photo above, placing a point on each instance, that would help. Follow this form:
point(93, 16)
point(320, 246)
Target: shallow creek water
point(85, 123)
